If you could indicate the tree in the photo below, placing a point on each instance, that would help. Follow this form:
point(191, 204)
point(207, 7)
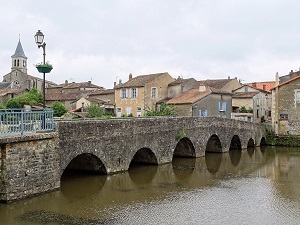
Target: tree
point(31, 98)
point(13, 103)
point(94, 111)
point(59, 108)
point(164, 110)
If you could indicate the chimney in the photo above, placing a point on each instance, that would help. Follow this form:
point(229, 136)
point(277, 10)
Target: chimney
point(291, 72)
point(264, 87)
point(66, 82)
point(254, 84)
point(89, 82)
point(202, 87)
point(130, 76)
point(120, 81)
point(228, 77)
point(115, 83)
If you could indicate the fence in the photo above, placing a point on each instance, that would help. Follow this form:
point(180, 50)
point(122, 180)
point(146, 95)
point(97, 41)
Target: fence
point(20, 121)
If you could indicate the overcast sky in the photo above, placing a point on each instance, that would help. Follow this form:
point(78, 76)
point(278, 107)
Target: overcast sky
point(104, 41)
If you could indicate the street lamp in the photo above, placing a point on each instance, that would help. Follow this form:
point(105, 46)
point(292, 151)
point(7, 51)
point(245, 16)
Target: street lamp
point(39, 40)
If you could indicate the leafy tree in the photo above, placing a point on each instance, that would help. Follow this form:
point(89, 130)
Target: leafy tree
point(164, 110)
point(2, 106)
point(94, 111)
point(13, 103)
point(59, 108)
point(31, 98)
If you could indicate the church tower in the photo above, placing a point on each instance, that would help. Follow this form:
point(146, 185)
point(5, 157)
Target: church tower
point(19, 60)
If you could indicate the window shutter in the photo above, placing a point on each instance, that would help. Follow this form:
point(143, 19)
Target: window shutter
point(137, 91)
point(121, 90)
point(219, 107)
point(126, 93)
point(130, 92)
point(205, 112)
point(199, 113)
point(224, 106)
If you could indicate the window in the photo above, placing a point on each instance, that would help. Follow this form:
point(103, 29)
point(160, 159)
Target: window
point(297, 96)
point(153, 93)
point(203, 113)
point(134, 93)
point(138, 111)
point(24, 63)
point(222, 106)
point(123, 93)
point(284, 116)
point(18, 62)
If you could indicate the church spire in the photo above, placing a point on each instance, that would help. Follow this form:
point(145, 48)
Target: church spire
point(19, 59)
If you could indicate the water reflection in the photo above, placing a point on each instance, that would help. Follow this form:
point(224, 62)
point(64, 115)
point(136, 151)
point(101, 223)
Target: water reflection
point(213, 162)
point(91, 184)
point(142, 174)
point(183, 167)
point(250, 151)
point(266, 182)
point(235, 157)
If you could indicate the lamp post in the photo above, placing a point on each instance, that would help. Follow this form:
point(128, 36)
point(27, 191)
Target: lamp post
point(39, 40)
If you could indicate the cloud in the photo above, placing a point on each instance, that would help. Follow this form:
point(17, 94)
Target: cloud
point(106, 40)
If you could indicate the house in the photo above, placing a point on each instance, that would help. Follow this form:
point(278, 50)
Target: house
point(286, 106)
point(203, 101)
point(181, 85)
point(141, 93)
point(251, 104)
point(18, 73)
point(68, 93)
point(9, 90)
point(227, 85)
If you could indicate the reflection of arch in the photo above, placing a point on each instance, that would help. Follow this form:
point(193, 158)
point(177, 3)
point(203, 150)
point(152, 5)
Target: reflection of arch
point(235, 143)
point(86, 185)
point(213, 144)
point(250, 143)
point(142, 174)
point(184, 148)
point(213, 162)
point(144, 156)
point(87, 163)
point(235, 157)
point(250, 151)
point(183, 167)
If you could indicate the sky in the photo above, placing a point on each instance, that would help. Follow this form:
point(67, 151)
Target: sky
point(106, 40)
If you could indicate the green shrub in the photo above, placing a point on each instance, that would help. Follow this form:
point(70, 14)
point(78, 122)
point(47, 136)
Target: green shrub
point(59, 108)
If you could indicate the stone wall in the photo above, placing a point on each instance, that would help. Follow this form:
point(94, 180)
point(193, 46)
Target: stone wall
point(29, 166)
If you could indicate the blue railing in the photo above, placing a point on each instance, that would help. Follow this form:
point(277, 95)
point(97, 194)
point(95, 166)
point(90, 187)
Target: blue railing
point(20, 121)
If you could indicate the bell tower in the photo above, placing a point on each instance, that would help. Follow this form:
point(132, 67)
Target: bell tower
point(19, 60)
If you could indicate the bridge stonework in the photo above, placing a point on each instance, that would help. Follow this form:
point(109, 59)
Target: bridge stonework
point(35, 165)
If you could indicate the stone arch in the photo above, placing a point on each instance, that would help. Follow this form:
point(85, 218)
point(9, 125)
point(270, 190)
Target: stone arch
point(184, 148)
point(250, 143)
point(213, 144)
point(235, 143)
point(86, 162)
point(263, 141)
point(144, 156)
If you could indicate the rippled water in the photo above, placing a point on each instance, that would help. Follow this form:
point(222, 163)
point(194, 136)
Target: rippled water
point(258, 186)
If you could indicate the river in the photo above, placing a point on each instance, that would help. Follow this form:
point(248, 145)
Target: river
point(253, 186)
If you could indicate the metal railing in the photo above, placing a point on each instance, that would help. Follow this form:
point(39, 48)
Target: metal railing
point(20, 121)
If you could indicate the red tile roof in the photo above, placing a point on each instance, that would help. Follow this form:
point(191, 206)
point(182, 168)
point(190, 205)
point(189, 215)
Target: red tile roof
point(189, 96)
point(284, 83)
point(260, 85)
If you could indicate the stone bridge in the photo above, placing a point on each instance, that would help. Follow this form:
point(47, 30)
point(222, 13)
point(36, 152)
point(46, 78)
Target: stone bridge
point(34, 164)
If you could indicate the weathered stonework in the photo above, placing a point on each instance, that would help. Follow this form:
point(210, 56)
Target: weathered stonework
point(29, 165)
point(33, 164)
